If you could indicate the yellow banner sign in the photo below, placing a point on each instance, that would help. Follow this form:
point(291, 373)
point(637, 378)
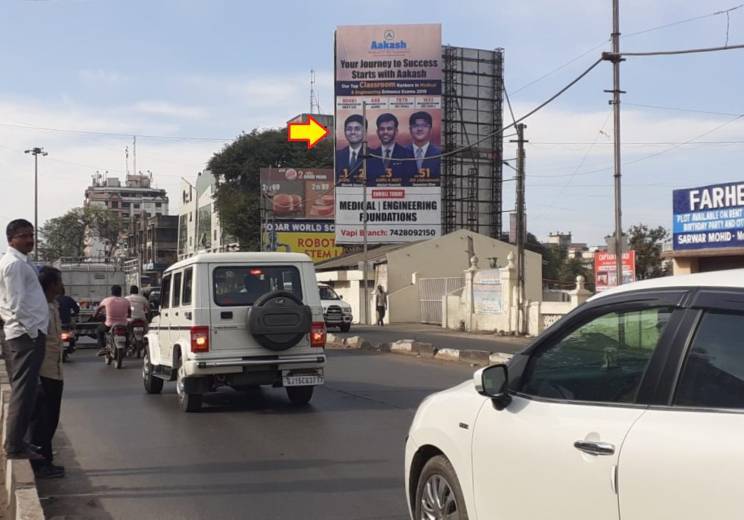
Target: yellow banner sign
point(318, 246)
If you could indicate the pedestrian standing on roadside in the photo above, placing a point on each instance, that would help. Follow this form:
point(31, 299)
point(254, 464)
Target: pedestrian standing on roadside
point(381, 304)
point(24, 309)
point(49, 402)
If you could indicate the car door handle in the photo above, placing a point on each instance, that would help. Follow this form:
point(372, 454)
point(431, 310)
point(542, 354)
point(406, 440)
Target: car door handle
point(595, 448)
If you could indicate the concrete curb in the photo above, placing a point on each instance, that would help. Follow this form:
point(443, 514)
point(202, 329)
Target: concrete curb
point(410, 347)
point(20, 484)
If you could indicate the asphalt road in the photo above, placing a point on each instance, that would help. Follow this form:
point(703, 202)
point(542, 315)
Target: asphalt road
point(246, 456)
point(437, 336)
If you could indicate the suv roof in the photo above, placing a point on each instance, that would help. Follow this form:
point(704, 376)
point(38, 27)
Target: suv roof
point(205, 258)
point(728, 278)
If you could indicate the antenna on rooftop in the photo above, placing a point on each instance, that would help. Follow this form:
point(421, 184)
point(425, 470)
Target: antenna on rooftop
point(314, 100)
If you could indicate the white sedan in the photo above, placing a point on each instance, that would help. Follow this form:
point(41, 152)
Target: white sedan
point(630, 407)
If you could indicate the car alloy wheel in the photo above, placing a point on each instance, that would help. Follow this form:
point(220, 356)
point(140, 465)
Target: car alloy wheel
point(438, 501)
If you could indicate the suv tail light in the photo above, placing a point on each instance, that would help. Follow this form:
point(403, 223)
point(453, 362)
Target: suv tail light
point(318, 335)
point(65, 336)
point(200, 339)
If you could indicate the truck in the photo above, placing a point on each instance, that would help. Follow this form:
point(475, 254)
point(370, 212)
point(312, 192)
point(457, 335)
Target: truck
point(88, 282)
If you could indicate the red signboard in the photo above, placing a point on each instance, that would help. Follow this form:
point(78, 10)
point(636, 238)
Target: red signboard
point(605, 272)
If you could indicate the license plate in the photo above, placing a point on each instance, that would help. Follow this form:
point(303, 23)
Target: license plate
point(302, 379)
point(139, 330)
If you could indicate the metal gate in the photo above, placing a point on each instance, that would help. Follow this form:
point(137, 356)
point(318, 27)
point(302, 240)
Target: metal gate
point(430, 293)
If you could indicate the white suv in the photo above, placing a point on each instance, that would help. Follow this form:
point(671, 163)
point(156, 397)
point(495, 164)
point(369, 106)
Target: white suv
point(631, 406)
point(336, 312)
point(237, 319)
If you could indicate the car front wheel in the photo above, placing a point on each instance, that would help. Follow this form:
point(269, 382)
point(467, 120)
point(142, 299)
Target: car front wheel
point(438, 493)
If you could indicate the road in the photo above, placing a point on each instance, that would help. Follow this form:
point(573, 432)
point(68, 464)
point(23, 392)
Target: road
point(437, 336)
point(246, 456)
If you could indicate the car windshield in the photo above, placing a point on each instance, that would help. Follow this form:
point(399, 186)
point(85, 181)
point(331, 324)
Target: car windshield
point(326, 293)
point(243, 285)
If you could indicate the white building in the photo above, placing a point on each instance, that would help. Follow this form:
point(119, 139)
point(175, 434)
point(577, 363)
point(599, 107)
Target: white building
point(136, 198)
point(199, 226)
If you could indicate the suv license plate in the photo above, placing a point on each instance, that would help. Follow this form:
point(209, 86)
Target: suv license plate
point(302, 380)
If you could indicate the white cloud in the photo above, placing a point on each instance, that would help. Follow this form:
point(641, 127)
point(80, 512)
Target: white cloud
point(96, 77)
point(170, 110)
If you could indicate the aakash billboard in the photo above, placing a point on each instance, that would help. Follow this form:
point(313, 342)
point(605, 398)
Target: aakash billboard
point(709, 217)
point(396, 72)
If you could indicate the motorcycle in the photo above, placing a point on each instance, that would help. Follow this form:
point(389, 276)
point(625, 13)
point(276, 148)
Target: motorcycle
point(116, 345)
point(69, 339)
point(136, 338)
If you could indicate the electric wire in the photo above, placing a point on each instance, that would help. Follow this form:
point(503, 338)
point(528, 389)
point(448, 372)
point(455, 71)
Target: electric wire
point(511, 125)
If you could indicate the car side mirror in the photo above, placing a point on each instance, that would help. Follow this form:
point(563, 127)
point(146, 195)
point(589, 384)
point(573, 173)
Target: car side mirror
point(493, 382)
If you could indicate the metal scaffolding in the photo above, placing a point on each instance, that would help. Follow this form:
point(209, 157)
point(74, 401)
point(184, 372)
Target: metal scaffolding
point(472, 180)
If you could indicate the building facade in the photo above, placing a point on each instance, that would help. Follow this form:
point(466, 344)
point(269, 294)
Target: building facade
point(133, 200)
point(199, 228)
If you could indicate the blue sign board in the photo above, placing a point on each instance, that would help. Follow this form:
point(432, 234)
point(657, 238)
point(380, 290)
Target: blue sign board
point(709, 217)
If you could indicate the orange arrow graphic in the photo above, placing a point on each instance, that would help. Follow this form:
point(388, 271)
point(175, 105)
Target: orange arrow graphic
point(312, 132)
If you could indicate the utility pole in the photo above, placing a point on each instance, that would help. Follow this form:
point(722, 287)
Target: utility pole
point(616, 59)
point(36, 152)
point(365, 292)
point(521, 229)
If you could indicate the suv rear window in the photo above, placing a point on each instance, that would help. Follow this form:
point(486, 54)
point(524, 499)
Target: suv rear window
point(243, 285)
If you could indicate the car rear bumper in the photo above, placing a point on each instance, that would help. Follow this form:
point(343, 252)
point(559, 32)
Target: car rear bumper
point(204, 367)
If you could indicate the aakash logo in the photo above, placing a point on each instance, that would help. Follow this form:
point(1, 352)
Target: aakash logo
point(388, 42)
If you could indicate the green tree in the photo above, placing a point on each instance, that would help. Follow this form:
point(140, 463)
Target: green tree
point(647, 242)
point(237, 167)
point(63, 236)
point(66, 236)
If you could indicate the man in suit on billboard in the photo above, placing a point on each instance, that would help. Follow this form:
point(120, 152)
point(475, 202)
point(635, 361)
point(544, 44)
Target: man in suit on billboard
point(349, 158)
point(426, 153)
point(387, 162)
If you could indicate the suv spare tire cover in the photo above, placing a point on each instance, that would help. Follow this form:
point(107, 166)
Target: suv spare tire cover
point(279, 320)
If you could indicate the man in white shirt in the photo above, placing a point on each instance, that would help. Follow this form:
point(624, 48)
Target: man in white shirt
point(137, 304)
point(25, 311)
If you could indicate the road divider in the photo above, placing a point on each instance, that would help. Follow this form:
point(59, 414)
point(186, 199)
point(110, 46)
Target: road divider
point(20, 484)
point(411, 347)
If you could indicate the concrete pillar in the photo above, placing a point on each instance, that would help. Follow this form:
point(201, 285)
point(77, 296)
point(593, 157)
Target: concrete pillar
point(580, 294)
point(509, 291)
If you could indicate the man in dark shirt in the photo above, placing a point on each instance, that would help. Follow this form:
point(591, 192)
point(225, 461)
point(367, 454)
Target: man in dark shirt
point(68, 308)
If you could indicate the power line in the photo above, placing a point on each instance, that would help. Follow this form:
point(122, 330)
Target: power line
point(511, 125)
point(561, 67)
point(635, 143)
point(115, 134)
point(650, 156)
point(679, 22)
point(677, 109)
point(611, 56)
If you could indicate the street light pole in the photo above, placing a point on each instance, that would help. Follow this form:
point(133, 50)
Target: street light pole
point(36, 151)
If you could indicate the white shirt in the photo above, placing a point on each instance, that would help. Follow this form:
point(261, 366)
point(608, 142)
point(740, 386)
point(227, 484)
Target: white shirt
point(423, 149)
point(139, 305)
point(352, 151)
point(23, 306)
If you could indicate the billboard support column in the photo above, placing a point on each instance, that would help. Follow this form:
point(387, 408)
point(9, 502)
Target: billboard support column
point(365, 293)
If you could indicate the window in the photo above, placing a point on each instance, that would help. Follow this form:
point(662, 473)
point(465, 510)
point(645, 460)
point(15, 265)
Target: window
point(326, 293)
point(177, 289)
point(602, 360)
point(713, 375)
point(165, 292)
point(188, 277)
point(245, 284)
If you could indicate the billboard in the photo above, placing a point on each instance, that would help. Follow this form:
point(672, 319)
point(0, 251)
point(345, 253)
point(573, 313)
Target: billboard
point(395, 72)
point(605, 270)
point(314, 238)
point(300, 207)
point(709, 217)
point(299, 193)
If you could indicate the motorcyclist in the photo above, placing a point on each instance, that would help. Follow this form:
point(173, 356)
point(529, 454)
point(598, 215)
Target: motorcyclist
point(138, 304)
point(68, 309)
point(117, 311)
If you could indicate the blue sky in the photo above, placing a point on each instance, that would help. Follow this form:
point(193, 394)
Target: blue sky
point(215, 68)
